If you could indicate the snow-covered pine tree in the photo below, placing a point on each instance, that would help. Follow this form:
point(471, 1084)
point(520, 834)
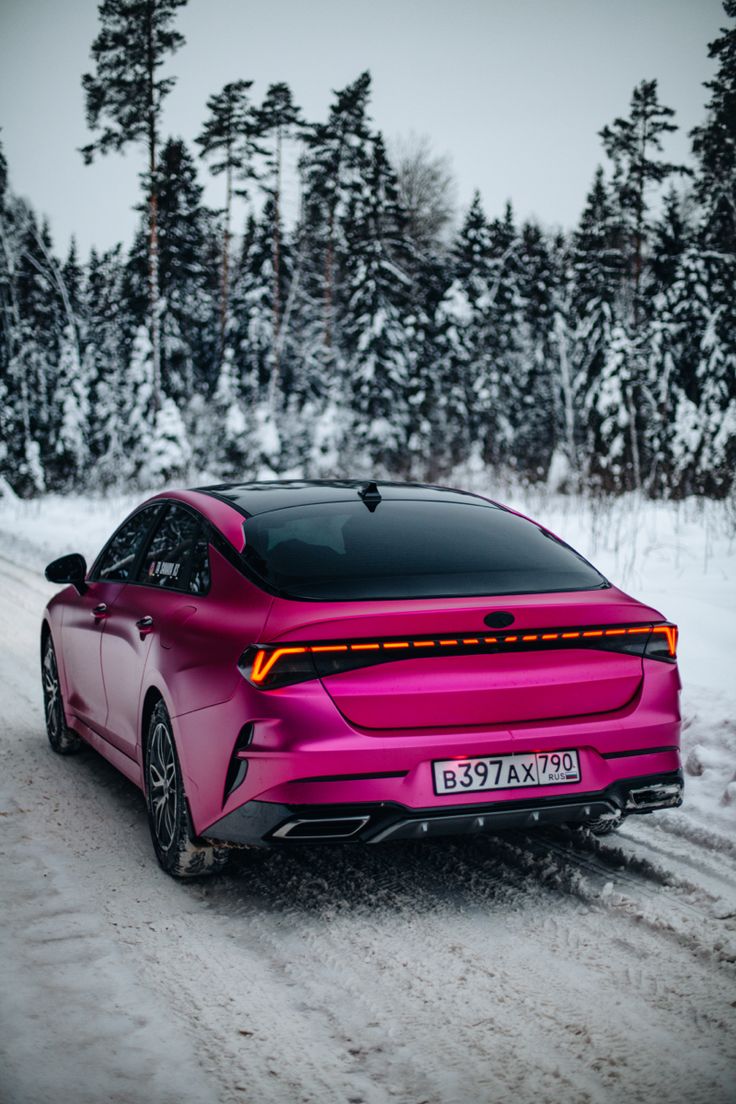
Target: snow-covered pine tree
point(15, 430)
point(252, 337)
point(634, 145)
point(676, 318)
point(226, 448)
point(537, 425)
point(42, 322)
point(500, 376)
point(337, 154)
point(187, 277)
point(67, 465)
point(109, 327)
point(278, 115)
point(598, 264)
point(229, 142)
point(169, 452)
point(714, 145)
point(124, 98)
point(451, 408)
point(377, 327)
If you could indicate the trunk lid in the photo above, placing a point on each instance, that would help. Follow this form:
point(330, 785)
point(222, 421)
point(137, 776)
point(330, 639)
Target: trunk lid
point(473, 689)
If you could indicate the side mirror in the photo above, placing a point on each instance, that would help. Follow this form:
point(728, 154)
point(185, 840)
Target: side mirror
point(68, 569)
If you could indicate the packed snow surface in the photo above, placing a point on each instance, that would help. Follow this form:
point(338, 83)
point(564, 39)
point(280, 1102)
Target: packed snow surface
point(549, 967)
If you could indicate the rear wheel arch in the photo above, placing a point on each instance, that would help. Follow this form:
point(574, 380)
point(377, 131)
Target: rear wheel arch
point(45, 635)
point(152, 697)
point(177, 848)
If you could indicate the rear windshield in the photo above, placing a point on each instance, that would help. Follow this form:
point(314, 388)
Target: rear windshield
point(341, 551)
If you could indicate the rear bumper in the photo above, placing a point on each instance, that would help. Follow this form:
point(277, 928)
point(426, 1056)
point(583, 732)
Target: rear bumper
point(264, 824)
point(295, 750)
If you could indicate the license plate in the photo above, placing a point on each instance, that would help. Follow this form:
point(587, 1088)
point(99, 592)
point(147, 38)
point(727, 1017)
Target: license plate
point(505, 772)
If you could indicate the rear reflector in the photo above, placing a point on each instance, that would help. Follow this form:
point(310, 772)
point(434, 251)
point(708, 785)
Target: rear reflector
point(269, 666)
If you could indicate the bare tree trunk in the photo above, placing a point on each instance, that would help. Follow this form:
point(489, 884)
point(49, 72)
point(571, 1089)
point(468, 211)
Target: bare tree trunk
point(329, 277)
point(154, 293)
point(568, 397)
point(277, 242)
point(225, 274)
point(276, 344)
point(635, 460)
point(639, 227)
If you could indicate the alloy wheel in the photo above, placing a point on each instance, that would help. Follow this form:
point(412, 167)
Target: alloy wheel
point(162, 785)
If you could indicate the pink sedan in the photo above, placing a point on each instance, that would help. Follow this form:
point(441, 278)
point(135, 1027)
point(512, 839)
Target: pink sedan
point(277, 663)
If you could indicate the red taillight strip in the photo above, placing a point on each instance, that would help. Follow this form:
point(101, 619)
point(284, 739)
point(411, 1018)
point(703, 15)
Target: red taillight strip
point(266, 659)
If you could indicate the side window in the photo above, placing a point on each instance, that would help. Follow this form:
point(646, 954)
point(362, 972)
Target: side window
point(177, 556)
point(118, 559)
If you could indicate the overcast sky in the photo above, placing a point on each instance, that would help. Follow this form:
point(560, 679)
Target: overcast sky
point(514, 91)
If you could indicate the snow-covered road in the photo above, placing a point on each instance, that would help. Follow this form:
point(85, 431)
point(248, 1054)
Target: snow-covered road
point(527, 968)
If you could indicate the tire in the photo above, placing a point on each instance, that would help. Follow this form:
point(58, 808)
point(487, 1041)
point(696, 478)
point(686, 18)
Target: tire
point(604, 826)
point(63, 741)
point(176, 847)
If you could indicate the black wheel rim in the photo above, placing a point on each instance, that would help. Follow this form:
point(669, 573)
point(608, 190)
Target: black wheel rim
point(52, 695)
point(162, 787)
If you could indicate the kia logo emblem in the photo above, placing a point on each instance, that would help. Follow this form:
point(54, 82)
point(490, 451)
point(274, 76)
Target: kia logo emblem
point(499, 620)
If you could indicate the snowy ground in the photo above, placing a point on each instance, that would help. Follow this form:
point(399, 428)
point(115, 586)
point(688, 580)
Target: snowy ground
point(535, 968)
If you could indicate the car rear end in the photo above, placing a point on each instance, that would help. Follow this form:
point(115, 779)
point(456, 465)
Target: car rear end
point(439, 672)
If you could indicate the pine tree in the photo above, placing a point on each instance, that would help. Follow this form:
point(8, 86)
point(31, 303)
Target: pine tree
point(187, 279)
point(124, 99)
point(336, 154)
point(253, 297)
point(42, 322)
point(451, 407)
point(633, 144)
point(229, 450)
point(499, 385)
point(598, 264)
point(229, 140)
point(537, 407)
point(277, 117)
point(108, 326)
point(376, 330)
point(71, 416)
point(714, 145)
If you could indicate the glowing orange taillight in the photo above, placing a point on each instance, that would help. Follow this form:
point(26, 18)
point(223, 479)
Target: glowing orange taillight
point(271, 666)
point(265, 661)
point(670, 632)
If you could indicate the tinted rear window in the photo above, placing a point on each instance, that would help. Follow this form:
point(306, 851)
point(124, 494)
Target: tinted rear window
point(409, 549)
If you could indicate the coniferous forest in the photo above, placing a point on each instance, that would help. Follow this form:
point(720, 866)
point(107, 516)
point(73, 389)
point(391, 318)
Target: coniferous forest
point(374, 333)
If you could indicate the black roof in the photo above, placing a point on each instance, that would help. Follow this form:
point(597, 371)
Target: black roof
point(259, 497)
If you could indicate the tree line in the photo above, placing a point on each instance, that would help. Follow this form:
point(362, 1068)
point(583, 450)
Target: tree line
point(363, 336)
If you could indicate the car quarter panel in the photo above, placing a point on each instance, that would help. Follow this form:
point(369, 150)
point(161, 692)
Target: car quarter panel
point(198, 639)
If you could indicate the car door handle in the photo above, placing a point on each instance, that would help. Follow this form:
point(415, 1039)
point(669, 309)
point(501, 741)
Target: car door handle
point(144, 623)
point(100, 611)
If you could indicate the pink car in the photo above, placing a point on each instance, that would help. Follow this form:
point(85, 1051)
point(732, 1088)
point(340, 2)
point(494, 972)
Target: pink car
point(274, 663)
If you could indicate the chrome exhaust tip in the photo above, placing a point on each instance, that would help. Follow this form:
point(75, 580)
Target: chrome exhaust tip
point(666, 795)
point(321, 828)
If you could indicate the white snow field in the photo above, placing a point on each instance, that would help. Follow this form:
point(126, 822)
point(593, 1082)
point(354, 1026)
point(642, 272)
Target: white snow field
point(527, 968)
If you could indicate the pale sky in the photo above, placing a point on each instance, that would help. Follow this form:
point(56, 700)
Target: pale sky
point(514, 91)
